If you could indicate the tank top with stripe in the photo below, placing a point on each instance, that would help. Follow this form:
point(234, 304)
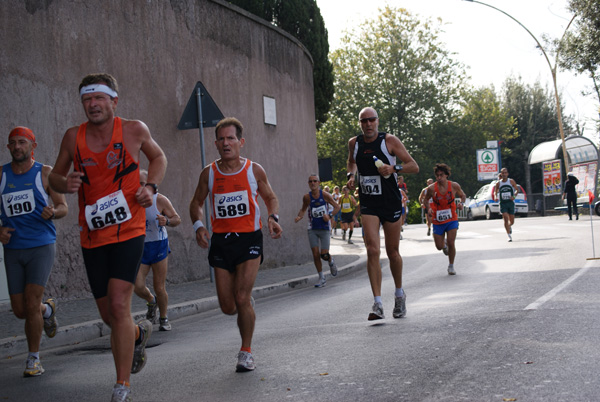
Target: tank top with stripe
point(443, 205)
point(23, 201)
point(108, 210)
point(234, 200)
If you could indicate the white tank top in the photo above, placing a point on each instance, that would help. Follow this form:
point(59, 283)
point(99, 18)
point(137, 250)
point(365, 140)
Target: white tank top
point(153, 231)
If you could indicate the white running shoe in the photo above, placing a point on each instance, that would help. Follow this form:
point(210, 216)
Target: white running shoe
point(400, 306)
point(451, 270)
point(33, 367)
point(509, 238)
point(164, 324)
point(332, 267)
point(245, 362)
point(377, 313)
point(321, 283)
point(139, 353)
point(121, 393)
point(50, 323)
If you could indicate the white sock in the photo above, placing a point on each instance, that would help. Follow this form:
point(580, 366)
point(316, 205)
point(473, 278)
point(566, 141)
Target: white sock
point(35, 354)
point(399, 292)
point(321, 275)
point(48, 311)
point(378, 299)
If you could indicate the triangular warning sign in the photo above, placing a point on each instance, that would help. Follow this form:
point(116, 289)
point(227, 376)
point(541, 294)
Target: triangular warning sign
point(211, 114)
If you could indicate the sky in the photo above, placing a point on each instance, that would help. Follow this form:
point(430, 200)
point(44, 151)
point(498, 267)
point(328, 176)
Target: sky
point(489, 43)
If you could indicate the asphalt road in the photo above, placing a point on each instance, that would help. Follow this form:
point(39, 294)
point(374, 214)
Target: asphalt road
point(518, 322)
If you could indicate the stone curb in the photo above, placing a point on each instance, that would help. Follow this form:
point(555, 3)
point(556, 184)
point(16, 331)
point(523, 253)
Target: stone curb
point(86, 331)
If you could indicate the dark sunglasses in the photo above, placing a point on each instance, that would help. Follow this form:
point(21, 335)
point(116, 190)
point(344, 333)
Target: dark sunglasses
point(313, 181)
point(368, 119)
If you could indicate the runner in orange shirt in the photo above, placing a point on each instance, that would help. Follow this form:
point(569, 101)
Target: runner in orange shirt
point(443, 211)
point(105, 152)
point(234, 184)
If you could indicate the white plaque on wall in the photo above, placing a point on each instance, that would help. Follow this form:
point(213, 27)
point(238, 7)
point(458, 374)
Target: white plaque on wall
point(270, 110)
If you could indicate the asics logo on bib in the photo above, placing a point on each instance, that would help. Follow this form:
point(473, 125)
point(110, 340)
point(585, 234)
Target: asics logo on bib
point(20, 197)
point(108, 204)
point(230, 199)
point(369, 181)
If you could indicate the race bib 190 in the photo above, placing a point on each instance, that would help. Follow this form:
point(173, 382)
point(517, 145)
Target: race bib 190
point(108, 211)
point(370, 185)
point(505, 195)
point(18, 203)
point(231, 205)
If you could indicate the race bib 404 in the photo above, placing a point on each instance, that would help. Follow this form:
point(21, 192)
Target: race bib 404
point(231, 205)
point(108, 211)
point(18, 203)
point(370, 185)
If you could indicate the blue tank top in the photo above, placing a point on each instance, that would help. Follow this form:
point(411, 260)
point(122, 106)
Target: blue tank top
point(23, 200)
point(317, 209)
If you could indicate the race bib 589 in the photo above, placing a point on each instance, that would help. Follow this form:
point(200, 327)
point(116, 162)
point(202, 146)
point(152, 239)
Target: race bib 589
point(231, 205)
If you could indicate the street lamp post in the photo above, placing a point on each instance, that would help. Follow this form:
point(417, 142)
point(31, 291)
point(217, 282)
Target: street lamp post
point(552, 70)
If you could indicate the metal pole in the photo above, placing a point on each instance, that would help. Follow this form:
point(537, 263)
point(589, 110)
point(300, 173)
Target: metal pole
point(552, 70)
point(201, 128)
point(592, 227)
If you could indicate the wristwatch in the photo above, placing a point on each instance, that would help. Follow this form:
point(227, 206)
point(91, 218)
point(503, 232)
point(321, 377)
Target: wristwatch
point(154, 186)
point(398, 167)
point(349, 174)
point(275, 217)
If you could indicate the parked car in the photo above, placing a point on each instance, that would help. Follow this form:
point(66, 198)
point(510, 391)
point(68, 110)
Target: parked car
point(485, 205)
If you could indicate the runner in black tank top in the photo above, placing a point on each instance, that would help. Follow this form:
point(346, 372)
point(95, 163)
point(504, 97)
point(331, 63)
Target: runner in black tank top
point(380, 202)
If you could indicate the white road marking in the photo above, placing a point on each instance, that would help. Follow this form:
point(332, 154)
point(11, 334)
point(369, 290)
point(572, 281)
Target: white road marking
point(539, 302)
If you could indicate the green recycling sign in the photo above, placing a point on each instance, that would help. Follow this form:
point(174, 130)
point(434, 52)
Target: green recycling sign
point(488, 165)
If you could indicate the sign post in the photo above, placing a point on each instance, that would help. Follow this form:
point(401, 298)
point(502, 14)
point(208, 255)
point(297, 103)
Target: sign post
point(201, 111)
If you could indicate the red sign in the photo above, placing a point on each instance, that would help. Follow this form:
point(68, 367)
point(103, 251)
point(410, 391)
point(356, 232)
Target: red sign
point(491, 167)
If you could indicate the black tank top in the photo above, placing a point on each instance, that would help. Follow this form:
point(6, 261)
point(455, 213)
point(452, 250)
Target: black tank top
point(373, 189)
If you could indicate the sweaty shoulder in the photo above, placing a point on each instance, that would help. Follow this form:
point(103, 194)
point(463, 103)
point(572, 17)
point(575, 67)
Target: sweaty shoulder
point(134, 127)
point(258, 171)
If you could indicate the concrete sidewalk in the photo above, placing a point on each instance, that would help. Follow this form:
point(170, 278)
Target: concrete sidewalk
point(79, 320)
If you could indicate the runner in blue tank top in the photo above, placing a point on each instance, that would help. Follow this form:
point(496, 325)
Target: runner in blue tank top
point(319, 231)
point(28, 206)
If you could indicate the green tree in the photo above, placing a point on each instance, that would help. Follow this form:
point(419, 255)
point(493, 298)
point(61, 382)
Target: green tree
point(533, 108)
point(482, 119)
point(303, 20)
point(396, 64)
point(581, 46)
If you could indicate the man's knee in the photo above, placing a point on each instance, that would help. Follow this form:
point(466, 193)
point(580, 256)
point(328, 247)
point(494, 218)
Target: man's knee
point(325, 256)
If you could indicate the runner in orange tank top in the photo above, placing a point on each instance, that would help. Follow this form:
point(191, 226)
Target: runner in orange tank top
point(442, 210)
point(105, 152)
point(233, 183)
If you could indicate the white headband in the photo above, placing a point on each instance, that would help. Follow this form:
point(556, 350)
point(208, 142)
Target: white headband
point(88, 89)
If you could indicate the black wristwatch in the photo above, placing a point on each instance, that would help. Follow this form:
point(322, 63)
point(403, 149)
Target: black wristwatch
point(349, 174)
point(275, 217)
point(397, 168)
point(154, 186)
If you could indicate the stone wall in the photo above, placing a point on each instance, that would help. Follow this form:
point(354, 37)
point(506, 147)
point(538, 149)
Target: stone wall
point(158, 50)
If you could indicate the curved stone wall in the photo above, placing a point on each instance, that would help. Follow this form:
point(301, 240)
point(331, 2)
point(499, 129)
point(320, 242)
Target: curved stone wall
point(158, 50)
